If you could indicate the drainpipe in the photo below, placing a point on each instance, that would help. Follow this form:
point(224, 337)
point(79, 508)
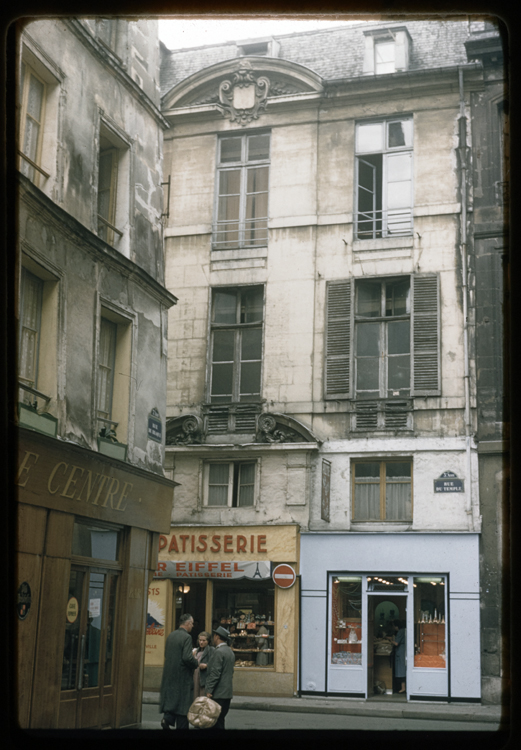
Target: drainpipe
point(462, 153)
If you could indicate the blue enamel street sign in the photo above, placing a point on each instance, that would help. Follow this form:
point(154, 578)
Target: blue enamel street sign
point(449, 482)
point(155, 426)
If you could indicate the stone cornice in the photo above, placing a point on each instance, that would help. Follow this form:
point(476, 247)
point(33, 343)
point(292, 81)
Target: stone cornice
point(91, 243)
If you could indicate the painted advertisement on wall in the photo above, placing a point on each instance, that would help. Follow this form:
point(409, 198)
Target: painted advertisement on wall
point(156, 621)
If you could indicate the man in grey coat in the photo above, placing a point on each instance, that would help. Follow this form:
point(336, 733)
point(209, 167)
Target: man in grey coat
point(219, 679)
point(177, 684)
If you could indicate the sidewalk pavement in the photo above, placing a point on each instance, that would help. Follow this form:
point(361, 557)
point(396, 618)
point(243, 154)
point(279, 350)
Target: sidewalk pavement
point(390, 707)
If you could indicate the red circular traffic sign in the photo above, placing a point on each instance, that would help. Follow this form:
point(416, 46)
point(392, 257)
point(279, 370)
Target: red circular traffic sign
point(284, 576)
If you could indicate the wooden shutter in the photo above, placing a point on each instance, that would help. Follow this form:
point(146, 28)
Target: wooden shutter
point(338, 340)
point(426, 379)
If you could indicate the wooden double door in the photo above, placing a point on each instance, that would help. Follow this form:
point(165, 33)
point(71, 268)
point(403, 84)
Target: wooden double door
point(87, 697)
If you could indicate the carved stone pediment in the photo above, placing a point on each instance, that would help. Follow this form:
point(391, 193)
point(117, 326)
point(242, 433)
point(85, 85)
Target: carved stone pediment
point(244, 96)
point(185, 430)
point(280, 428)
point(241, 88)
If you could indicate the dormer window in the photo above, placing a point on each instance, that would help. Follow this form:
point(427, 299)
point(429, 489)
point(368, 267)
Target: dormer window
point(386, 50)
point(258, 48)
point(254, 49)
point(384, 61)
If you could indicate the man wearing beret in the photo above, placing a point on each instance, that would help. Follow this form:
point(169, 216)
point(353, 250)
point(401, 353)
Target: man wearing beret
point(219, 679)
point(177, 684)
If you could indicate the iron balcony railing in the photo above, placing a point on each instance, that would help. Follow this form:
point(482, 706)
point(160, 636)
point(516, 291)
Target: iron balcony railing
point(251, 233)
point(389, 223)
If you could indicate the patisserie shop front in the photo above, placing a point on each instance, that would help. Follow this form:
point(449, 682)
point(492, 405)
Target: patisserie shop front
point(225, 576)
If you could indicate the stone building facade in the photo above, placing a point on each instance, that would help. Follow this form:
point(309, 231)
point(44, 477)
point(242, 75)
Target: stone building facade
point(92, 355)
point(322, 367)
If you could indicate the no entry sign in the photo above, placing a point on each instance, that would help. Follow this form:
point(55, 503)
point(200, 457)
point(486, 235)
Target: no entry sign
point(284, 576)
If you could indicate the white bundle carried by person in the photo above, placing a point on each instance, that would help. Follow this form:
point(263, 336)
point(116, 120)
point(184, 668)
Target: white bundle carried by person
point(203, 713)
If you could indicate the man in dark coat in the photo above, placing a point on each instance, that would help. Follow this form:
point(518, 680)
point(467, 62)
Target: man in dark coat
point(177, 684)
point(219, 679)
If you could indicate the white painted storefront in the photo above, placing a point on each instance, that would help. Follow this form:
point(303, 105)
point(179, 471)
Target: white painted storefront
point(373, 563)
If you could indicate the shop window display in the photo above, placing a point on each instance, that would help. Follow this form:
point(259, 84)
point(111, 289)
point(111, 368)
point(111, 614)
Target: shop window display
point(346, 637)
point(247, 611)
point(429, 623)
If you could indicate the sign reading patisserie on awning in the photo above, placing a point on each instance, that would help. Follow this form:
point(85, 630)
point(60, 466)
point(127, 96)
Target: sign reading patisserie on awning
point(219, 569)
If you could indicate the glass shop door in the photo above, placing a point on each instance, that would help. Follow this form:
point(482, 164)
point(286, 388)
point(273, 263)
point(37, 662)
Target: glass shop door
point(382, 611)
point(87, 686)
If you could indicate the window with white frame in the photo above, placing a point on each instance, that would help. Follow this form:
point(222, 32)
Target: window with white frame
point(384, 56)
point(114, 362)
point(242, 191)
point(32, 97)
point(236, 344)
point(106, 31)
point(230, 484)
point(384, 189)
point(37, 334)
point(382, 490)
point(30, 327)
point(387, 50)
point(113, 199)
point(106, 366)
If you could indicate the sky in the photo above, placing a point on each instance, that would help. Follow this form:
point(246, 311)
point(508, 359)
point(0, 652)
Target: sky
point(180, 33)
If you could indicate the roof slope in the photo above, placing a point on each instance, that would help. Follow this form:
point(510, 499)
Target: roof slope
point(337, 52)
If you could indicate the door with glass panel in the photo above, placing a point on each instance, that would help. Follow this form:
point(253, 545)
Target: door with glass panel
point(87, 682)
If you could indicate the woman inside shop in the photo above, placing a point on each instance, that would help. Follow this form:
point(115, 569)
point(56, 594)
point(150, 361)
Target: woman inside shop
point(202, 654)
point(398, 642)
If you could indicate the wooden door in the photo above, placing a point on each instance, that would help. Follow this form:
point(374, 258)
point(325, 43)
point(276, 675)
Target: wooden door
point(87, 687)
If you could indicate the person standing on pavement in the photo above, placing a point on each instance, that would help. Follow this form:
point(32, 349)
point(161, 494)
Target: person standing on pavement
point(202, 654)
point(177, 683)
point(219, 679)
point(399, 652)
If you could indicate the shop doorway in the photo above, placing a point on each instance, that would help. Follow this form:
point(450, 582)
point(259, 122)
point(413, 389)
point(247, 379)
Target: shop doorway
point(382, 611)
point(87, 696)
point(190, 596)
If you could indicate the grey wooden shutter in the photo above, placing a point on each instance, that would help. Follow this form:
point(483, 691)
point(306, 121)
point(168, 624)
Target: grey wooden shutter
point(426, 380)
point(338, 339)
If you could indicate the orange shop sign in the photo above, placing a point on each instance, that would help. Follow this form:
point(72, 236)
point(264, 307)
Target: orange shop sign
point(227, 543)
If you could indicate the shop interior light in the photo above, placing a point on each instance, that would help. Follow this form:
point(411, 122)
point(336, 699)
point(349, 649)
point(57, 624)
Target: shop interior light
point(184, 589)
point(428, 580)
point(347, 578)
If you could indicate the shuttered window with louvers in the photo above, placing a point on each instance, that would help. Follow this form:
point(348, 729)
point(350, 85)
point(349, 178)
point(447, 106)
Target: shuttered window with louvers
point(338, 339)
point(425, 339)
point(426, 336)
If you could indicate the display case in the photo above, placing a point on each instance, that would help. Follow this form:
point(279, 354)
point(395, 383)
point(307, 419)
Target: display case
point(346, 635)
point(246, 610)
point(429, 625)
point(253, 645)
point(430, 644)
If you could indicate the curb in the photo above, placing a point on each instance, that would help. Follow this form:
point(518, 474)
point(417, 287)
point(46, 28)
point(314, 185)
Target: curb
point(491, 714)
